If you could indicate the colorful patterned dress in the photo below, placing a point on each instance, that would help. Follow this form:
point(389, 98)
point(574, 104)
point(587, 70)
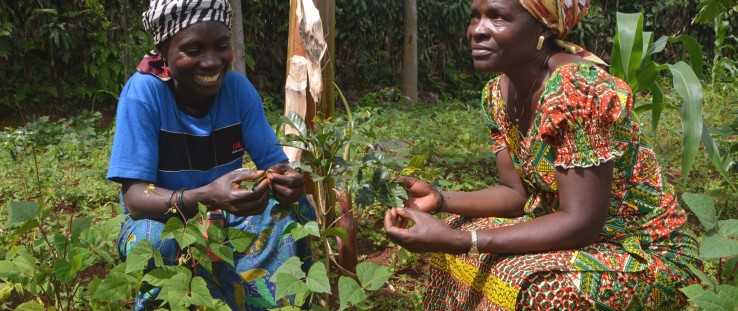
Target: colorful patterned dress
point(584, 117)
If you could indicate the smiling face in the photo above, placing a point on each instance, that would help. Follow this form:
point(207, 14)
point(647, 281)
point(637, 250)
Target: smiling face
point(502, 34)
point(199, 57)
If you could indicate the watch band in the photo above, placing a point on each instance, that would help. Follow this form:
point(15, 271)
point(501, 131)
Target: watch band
point(474, 250)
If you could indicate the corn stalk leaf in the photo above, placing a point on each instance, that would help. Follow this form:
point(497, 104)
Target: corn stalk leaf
point(689, 87)
point(714, 154)
point(628, 46)
point(657, 47)
point(694, 50)
point(645, 76)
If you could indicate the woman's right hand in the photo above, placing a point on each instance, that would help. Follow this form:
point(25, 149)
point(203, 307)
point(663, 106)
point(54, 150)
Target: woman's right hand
point(429, 234)
point(421, 195)
point(226, 193)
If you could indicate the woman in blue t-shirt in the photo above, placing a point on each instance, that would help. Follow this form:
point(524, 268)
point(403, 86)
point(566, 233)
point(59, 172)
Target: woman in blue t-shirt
point(184, 121)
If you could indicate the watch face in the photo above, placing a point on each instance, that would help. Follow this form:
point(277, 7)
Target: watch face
point(474, 251)
point(215, 216)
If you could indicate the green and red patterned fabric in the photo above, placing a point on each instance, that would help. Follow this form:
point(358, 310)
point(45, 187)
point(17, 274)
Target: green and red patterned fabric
point(584, 118)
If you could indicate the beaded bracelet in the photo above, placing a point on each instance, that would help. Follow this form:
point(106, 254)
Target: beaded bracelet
point(440, 203)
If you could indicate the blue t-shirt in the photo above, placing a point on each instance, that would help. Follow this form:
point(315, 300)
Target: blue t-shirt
point(156, 142)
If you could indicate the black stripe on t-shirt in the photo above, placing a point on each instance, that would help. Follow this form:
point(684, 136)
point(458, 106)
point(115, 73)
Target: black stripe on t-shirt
point(226, 144)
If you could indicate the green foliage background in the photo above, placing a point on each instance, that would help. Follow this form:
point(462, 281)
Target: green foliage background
point(64, 57)
point(55, 55)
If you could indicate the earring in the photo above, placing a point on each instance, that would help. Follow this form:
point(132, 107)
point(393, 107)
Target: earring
point(540, 43)
point(166, 64)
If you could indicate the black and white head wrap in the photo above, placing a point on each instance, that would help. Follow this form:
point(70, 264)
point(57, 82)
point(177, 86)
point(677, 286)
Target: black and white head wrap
point(165, 18)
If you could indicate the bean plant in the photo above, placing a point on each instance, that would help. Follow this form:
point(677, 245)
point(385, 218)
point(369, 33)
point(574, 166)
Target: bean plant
point(719, 247)
point(342, 185)
point(52, 259)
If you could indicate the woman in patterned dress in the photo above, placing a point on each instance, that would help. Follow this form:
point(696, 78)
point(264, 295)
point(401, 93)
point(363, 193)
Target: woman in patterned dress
point(582, 217)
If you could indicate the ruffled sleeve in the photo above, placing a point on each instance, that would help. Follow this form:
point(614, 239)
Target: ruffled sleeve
point(582, 106)
point(491, 100)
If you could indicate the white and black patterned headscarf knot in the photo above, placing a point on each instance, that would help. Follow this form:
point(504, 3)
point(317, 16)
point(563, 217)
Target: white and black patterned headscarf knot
point(165, 18)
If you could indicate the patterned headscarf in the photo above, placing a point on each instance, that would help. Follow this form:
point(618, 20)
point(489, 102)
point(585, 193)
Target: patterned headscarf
point(561, 16)
point(165, 18)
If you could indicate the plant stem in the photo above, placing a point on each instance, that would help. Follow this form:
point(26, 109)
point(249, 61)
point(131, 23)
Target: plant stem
point(322, 212)
point(70, 296)
point(46, 239)
point(26, 191)
point(35, 164)
point(74, 292)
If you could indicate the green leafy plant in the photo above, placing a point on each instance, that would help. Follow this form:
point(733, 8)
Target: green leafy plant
point(720, 245)
point(710, 9)
point(726, 45)
point(56, 55)
point(53, 257)
point(43, 265)
point(722, 161)
point(631, 61)
point(291, 280)
point(344, 184)
point(181, 286)
point(43, 154)
point(74, 268)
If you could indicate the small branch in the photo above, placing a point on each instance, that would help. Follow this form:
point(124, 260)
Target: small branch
point(35, 164)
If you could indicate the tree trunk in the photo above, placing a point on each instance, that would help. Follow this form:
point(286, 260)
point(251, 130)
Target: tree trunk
point(239, 58)
point(328, 15)
point(410, 52)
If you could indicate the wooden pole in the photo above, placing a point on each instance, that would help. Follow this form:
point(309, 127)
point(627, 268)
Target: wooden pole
point(328, 15)
point(239, 58)
point(410, 53)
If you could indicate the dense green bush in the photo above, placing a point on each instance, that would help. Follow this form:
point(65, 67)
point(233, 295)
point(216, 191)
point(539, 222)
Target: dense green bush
point(55, 54)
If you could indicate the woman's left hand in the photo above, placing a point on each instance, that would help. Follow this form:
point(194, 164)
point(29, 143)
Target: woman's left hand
point(429, 234)
point(286, 182)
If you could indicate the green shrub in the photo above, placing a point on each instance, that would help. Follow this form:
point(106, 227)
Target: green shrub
point(719, 245)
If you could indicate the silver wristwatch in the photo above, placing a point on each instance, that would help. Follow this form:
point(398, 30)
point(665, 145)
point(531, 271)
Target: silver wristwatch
point(474, 250)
